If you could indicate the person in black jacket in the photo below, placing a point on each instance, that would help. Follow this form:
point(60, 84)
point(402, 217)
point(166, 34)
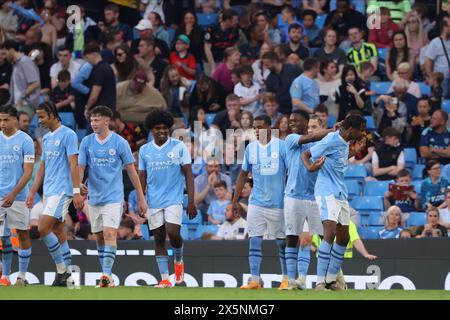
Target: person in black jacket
point(388, 158)
point(351, 94)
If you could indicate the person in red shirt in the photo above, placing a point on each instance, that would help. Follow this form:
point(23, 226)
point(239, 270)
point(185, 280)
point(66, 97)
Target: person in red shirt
point(382, 37)
point(184, 61)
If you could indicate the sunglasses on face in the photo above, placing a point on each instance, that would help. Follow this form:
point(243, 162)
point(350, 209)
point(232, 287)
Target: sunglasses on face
point(119, 54)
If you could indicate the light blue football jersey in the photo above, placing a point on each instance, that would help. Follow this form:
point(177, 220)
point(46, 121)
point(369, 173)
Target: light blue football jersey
point(165, 176)
point(268, 167)
point(105, 161)
point(330, 180)
point(14, 152)
point(300, 182)
point(57, 146)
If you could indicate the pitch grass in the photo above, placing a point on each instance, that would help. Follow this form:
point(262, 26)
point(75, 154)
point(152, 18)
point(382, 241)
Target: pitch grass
point(39, 292)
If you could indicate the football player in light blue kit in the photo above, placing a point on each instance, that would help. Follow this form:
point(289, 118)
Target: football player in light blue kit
point(59, 171)
point(104, 153)
point(164, 170)
point(16, 168)
point(266, 160)
point(330, 157)
point(299, 202)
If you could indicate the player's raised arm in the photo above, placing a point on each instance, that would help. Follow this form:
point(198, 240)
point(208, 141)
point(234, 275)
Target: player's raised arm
point(134, 178)
point(39, 177)
point(189, 178)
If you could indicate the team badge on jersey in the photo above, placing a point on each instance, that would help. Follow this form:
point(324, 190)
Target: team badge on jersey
point(112, 152)
point(57, 143)
point(16, 147)
point(275, 155)
point(171, 155)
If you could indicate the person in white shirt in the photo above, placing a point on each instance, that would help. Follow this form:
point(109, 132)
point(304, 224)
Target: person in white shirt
point(444, 213)
point(248, 91)
point(65, 63)
point(234, 227)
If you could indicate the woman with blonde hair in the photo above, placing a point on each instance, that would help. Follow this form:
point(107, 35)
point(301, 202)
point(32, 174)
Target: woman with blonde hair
point(393, 224)
point(415, 35)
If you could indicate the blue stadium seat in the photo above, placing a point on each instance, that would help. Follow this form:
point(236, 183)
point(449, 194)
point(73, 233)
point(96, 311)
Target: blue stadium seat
point(280, 21)
point(446, 106)
point(382, 53)
point(417, 219)
point(356, 172)
point(369, 232)
point(206, 20)
point(417, 185)
point(331, 121)
point(366, 204)
point(410, 157)
point(376, 218)
point(370, 123)
point(320, 21)
point(424, 88)
point(353, 188)
point(81, 133)
point(210, 118)
point(145, 231)
point(68, 119)
point(196, 221)
point(376, 188)
point(205, 229)
point(380, 87)
point(418, 171)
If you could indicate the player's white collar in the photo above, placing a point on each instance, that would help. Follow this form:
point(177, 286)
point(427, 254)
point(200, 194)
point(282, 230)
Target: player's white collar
point(10, 137)
point(340, 137)
point(265, 145)
point(106, 139)
point(162, 146)
point(54, 132)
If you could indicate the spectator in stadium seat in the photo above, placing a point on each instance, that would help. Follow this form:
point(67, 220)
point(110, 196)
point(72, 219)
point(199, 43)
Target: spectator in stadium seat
point(185, 62)
point(411, 203)
point(6, 69)
point(190, 27)
point(151, 62)
point(444, 213)
point(393, 224)
point(126, 230)
point(65, 62)
point(433, 229)
point(398, 8)
point(250, 51)
point(24, 121)
point(313, 38)
point(8, 20)
point(343, 18)
point(133, 134)
point(399, 53)
point(125, 65)
point(432, 190)
point(435, 140)
point(289, 17)
point(322, 112)
point(174, 89)
point(270, 106)
point(204, 186)
point(350, 94)
point(222, 74)
point(207, 94)
point(112, 25)
point(417, 37)
point(305, 89)
point(217, 39)
point(330, 50)
point(382, 37)
point(62, 95)
point(360, 50)
point(404, 71)
point(280, 79)
point(282, 125)
point(420, 122)
point(102, 80)
point(159, 29)
point(234, 227)
point(388, 158)
point(392, 115)
point(400, 90)
point(295, 44)
point(329, 82)
point(145, 29)
point(272, 34)
point(260, 71)
point(136, 98)
point(363, 151)
point(229, 118)
point(217, 207)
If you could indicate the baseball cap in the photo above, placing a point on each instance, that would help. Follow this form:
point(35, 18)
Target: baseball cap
point(140, 77)
point(184, 38)
point(144, 24)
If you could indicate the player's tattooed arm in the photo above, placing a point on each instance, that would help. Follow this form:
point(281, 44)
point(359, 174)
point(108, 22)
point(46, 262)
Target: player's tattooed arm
point(189, 178)
point(312, 167)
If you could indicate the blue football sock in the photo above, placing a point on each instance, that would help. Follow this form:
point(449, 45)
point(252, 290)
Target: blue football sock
point(67, 256)
point(108, 259)
point(24, 260)
point(281, 248)
point(304, 258)
point(291, 262)
point(7, 255)
point(101, 252)
point(337, 257)
point(255, 256)
point(52, 243)
point(178, 254)
point(323, 260)
point(163, 266)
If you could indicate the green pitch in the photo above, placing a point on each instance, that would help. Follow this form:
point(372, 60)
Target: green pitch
point(182, 293)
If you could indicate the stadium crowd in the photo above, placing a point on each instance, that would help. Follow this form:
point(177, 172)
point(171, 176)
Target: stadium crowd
point(220, 63)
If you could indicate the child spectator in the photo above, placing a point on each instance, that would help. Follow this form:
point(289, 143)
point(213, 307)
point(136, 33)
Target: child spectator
point(247, 90)
point(435, 83)
point(313, 38)
point(322, 112)
point(184, 61)
point(406, 201)
point(393, 224)
point(62, 95)
point(421, 121)
point(382, 37)
point(216, 210)
point(366, 72)
point(270, 105)
point(432, 190)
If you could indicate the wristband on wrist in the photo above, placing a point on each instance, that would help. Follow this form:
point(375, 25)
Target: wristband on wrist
point(76, 191)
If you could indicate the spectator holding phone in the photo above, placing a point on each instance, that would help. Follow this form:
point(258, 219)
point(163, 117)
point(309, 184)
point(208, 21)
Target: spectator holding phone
point(433, 188)
point(393, 224)
point(402, 193)
point(432, 229)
